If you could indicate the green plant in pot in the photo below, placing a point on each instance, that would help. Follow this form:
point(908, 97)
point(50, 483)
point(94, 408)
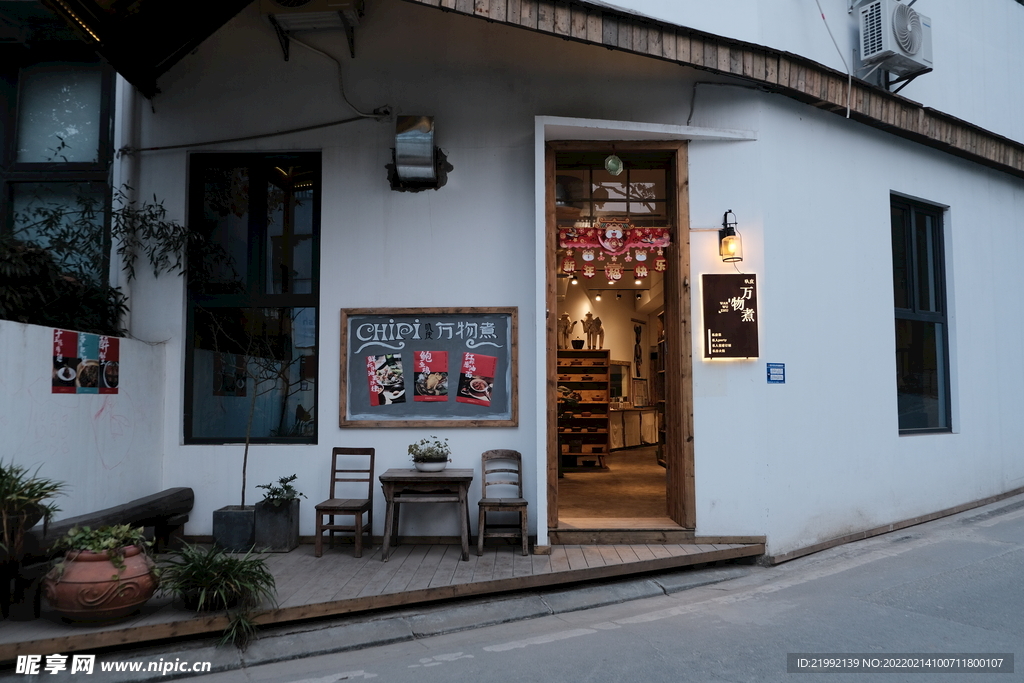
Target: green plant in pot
point(430, 455)
point(277, 516)
point(23, 503)
point(210, 580)
point(106, 573)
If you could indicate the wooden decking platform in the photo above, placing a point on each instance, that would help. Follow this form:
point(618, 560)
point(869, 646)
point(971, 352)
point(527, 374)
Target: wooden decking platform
point(337, 583)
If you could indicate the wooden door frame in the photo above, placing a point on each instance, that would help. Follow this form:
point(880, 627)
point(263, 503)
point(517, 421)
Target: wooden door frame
point(679, 446)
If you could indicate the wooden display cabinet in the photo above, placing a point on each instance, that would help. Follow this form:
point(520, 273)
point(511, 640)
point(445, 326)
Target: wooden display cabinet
point(583, 428)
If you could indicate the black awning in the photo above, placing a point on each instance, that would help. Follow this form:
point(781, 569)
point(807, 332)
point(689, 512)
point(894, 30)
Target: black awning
point(142, 39)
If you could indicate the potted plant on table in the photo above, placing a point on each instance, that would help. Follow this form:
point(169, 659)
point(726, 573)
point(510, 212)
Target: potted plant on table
point(430, 455)
point(22, 496)
point(210, 580)
point(277, 516)
point(106, 574)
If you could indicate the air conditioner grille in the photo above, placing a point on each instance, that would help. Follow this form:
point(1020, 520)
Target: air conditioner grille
point(871, 38)
point(906, 27)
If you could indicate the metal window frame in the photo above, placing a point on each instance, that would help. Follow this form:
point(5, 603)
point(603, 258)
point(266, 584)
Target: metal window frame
point(256, 270)
point(941, 316)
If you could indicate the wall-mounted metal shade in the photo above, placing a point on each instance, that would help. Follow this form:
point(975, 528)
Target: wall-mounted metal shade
point(414, 148)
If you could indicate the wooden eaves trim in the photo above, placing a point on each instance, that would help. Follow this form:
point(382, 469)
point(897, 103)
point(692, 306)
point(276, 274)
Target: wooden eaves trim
point(772, 70)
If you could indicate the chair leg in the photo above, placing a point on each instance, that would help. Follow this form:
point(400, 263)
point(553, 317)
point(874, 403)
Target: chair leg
point(369, 528)
point(523, 529)
point(480, 527)
point(359, 534)
point(319, 544)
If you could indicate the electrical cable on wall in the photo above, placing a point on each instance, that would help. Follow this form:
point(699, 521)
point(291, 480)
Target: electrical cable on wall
point(341, 83)
point(849, 72)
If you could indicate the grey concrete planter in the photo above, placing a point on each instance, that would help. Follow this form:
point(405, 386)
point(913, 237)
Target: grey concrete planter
point(233, 528)
point(277, 528)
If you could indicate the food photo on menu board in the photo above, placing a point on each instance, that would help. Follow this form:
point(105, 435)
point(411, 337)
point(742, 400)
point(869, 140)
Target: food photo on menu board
point(386, 378)
point(431, 376)
point(476, 379)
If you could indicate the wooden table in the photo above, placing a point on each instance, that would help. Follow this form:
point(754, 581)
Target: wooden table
point(412, 486)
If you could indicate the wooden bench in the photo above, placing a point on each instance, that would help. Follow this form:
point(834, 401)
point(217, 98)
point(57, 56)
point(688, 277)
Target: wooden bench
point(164, 513)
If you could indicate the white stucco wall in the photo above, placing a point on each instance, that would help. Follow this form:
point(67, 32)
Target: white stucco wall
point(976, 46)
point(803, 462)
point(107, 448)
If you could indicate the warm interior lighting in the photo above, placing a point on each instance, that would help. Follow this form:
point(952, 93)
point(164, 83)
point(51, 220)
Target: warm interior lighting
point(574, 280)
point(637, 282)
point(598, 297)
point(730, 247)
point(639, 296)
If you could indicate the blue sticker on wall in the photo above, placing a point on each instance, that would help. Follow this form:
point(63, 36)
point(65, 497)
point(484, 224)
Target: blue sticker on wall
point(776, 373)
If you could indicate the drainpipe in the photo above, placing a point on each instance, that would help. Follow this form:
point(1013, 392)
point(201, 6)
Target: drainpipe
point(124, 170)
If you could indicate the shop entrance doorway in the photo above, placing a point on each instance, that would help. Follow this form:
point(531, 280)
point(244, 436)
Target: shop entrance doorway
point(620, 451)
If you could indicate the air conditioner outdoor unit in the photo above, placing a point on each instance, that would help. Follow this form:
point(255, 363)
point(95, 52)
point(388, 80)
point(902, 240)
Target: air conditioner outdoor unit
point(298, 15)
point(895, 37)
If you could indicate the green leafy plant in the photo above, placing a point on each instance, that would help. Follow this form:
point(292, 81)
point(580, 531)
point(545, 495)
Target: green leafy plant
point(112, 540)
point(430, 450)
point(209, 579)
point(22, 496)
point(282, 492)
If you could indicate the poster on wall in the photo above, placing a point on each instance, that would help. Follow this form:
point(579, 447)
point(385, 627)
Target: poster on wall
point(730, 315)
point(419, 367)
point(85, 363)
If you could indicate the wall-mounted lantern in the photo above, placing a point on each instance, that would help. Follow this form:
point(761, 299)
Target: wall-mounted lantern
point(730, 247)
point(417, 164)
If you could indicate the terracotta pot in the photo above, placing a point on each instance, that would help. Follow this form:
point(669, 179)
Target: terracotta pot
point(91, 588)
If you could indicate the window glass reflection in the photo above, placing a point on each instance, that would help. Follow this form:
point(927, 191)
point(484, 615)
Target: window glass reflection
point(59, 115)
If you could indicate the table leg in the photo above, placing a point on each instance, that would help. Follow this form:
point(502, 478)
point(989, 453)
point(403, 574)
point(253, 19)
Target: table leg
point(385, 551)
point(464, 502)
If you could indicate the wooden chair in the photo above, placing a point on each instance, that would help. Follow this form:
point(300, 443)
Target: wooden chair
point(346, 472)
point(502, 470)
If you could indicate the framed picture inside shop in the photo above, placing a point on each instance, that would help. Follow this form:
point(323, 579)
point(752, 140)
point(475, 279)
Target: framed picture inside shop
point(429, 367)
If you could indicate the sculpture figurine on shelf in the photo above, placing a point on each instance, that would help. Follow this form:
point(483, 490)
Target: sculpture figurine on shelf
point(595, 332)
point(565, 328)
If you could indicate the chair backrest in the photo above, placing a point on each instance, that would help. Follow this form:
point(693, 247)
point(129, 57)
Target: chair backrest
point(501, 467)
point(352, 465)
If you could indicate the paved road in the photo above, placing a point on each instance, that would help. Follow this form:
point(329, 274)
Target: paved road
point(951, 586)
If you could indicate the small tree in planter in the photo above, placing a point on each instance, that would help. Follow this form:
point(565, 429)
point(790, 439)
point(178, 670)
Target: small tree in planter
point(277, 516)
point(430, 455)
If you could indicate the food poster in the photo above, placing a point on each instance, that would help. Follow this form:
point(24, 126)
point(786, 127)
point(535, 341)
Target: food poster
point(386, 379)
point(65, 361)
point(403, 366)
point(85, 363)
point(431, 376)
point(228, 374)
point(110, 364)
point(476, 379)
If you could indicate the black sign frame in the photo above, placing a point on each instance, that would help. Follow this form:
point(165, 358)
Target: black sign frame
point(730, 315)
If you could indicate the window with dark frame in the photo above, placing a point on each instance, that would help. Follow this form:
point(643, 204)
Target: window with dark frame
point(919, 291)
point(55, 155)
point(251, 365)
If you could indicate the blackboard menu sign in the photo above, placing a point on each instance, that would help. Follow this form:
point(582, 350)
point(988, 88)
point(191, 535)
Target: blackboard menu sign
point(428, 367)
point(730, 315)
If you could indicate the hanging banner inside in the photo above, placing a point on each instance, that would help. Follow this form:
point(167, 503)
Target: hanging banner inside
point(730, 315)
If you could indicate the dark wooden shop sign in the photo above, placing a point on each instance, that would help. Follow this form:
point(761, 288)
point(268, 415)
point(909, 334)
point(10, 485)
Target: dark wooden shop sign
point(730, 315)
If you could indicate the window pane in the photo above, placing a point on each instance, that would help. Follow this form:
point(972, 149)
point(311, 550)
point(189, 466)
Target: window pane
point(254, 362)
point(900, 265)
point(59, 115)
point(68, 220)
point(225, 225)
point(609, 192)
point(290, 232)
point(920, 375)
point(926, 261)
point(647, 184)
